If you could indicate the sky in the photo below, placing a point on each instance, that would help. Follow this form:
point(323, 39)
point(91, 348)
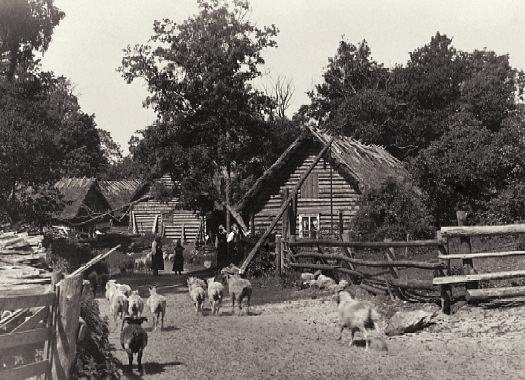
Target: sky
point(87, 45)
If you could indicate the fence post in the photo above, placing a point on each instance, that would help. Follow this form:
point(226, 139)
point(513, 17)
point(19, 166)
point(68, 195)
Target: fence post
point(465, 246)
point(67, 321)
point(390, 255)
point(445, 290)
point(278, 257)
point(341, 227)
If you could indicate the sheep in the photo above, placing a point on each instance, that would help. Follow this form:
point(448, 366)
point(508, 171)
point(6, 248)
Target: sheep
point(119, 307)
point(133, 339)
point(356, 315)
point(110, 289)
point(197, 293)
point(157, 306)
point(136, 304)
point(215, 294)
point(124, 289)
point(238, 288)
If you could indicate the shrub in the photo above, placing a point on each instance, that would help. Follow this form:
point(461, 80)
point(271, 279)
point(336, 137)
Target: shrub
point(94, 358)
point(392, 210)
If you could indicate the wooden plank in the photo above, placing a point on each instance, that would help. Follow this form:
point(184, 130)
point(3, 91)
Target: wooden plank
point(238, 218)
point(283, 208)
point(508, 229)
point(367, 244)
point(93, 261)
point(13, 302)
point(39, 335)
point(314, 266)
point(26, 371)
point(480, 255)
point(370, 263)
point(33, 321)
point(477, 277)
point(66, 326)
point(493, 293)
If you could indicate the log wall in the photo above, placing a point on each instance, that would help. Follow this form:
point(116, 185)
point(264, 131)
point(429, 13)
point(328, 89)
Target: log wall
point(345, 197)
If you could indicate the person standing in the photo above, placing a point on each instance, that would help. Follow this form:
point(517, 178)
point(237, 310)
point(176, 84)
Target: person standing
point(221, 246)
point(157, 260)
point(178, 260)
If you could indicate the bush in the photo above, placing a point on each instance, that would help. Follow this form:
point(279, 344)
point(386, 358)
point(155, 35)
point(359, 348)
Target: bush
point(94, 358)
point(67, 254)
point(392, 210)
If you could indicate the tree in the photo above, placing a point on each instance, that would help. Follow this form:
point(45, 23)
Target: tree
point(111, 149)
point(199, 77)
point(281, 91)
point(26, 26)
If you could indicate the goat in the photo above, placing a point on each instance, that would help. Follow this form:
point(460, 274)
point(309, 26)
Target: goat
point(136, 304)
point(356, 315)
point(197, 293)
point(215, 294)
point(238, 288)
point(133, 339)
point(157, 306)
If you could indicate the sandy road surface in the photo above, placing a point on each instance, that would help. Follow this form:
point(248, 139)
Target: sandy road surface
point(296, 340)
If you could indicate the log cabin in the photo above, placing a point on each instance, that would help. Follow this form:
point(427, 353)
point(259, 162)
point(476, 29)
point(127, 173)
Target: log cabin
point(119, 195)
point(164, 215)
point(329, 197)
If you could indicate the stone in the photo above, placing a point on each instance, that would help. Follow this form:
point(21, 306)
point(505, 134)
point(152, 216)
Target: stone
point(409, 321)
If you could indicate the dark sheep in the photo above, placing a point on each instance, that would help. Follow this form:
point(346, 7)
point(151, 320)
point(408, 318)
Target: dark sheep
point(133, 340)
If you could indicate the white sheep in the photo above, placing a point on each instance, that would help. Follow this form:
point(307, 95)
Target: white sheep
point(215, 294)
point(124, 289)
point(356, 315)
point(197, 281)
point(136, 304)
point(157, 305)
point(238, 288)
point(197, 293)
point(119, 306)
point(110, 289)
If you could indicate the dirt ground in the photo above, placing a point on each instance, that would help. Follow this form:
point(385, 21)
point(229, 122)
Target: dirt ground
point(296, 340)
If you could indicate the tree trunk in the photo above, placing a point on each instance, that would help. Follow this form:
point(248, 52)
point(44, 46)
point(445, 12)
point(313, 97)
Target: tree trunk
point(227, 201)
point(13, 60)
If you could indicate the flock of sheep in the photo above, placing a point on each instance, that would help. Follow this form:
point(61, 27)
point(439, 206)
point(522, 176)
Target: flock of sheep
point(127, 305)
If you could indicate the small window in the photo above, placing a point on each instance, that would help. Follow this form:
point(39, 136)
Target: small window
point(308, 226)
point(310, 187)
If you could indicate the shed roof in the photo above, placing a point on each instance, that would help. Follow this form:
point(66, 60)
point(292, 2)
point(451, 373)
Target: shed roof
point(74, 192)
point(120, 193)
point(362, 165)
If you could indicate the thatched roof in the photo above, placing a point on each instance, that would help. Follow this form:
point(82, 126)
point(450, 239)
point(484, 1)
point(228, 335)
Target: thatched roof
point(362, 165)
point(120, 193)
point(74, 192)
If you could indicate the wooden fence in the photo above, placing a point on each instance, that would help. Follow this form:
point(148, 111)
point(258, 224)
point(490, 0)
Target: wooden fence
point(470, 277)
point(46, 320)
point(288, 251)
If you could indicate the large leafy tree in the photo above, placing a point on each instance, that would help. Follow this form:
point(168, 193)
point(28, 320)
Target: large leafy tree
point(26, 26)
point(199, 75)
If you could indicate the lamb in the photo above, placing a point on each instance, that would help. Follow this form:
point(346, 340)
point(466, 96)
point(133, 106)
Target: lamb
point(215, 294)
point(136, 304)
point(197, 293)
point(356, 315)
point(238, 288)
point(110, 289)
point(133, 339)
point(157, 306)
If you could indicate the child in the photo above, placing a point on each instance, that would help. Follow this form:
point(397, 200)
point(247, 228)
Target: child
point(178, 260)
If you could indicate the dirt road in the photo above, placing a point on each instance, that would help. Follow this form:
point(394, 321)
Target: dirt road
point(296, 340)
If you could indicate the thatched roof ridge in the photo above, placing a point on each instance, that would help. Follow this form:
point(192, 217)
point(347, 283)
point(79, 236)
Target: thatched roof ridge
point(361, 164)
point(120, 193)
point(73, 191)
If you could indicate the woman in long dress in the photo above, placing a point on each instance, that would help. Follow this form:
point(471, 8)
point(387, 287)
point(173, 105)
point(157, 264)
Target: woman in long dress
point(156, 256)
point(178, 260)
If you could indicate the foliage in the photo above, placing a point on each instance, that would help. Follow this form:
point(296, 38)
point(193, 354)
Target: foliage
point(198, 74)
point(392, 210)
point(26, 26)
point(94, 353)
point(69, 253)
